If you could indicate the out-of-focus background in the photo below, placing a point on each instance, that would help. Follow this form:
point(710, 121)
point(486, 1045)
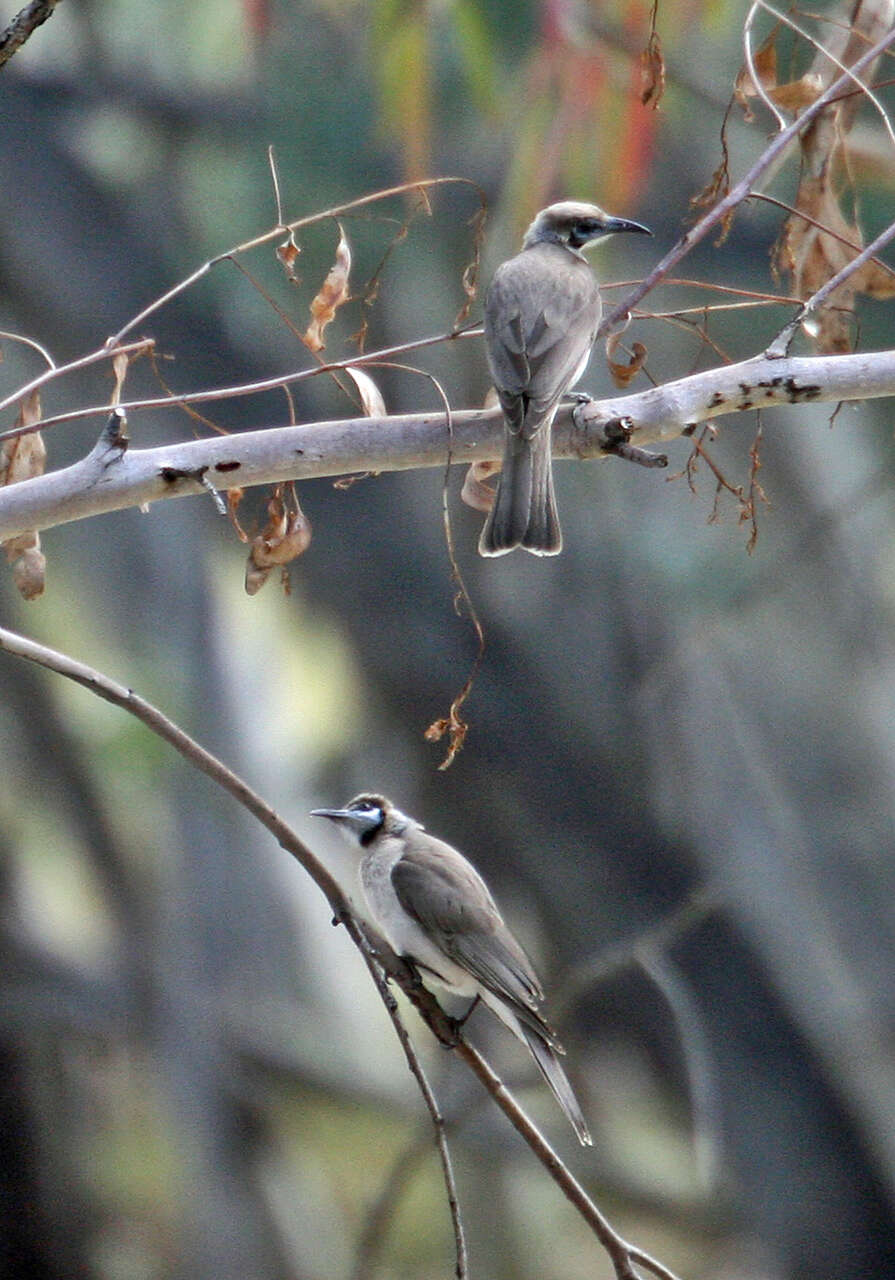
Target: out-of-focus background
point(680, 767)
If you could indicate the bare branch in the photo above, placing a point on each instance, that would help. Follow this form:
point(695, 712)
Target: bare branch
point(267, 236)
point(175, 400)
point(622, 1254)
point(416, 1068)
point(112, 477)
point(22, 26)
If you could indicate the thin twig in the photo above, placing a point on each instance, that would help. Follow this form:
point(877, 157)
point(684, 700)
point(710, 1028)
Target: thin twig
point(781, 344)
point(175, 400)
point(750, 66)
point(267, 236)
point(814, 222)
point(56, 371)
point(416, 1068)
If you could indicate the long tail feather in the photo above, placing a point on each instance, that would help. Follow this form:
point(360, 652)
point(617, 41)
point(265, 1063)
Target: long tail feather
point(558, 1081)
point(524, 510)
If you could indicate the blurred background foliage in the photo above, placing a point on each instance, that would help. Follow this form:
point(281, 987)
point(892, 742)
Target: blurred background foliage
point(680, 769)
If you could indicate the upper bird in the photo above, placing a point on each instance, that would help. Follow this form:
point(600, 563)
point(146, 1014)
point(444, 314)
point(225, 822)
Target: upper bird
point(434, 909)
point(542, 312)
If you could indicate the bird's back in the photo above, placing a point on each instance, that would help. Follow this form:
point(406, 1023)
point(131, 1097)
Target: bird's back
point(542, 312)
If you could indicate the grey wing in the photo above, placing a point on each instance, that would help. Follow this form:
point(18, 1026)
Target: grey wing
point(540, 325)
point(452, 904)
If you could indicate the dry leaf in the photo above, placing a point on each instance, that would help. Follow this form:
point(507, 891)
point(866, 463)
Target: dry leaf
point(813, 256)
point(234, 498)
point(475, 493)
point(795, 95)
point(286, 535)
point(370, 395)
point(29, 571)
point(623, 373)
point(456, 729)
point(652, 72)
point(20, 459)
point(288, 252)
point(764, 61)
point(331, 296)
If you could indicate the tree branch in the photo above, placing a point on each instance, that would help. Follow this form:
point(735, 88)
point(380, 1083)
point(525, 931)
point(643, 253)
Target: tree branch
point(112, 477)
point(22, 26)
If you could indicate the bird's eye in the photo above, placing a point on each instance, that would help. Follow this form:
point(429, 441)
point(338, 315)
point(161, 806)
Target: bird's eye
point(365, 806)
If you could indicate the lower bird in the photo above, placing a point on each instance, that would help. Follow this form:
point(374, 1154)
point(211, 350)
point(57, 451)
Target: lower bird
point(542, 313)
point(434, 909)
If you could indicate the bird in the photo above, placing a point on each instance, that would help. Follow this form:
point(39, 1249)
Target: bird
point(542, 313)
point(434, 909)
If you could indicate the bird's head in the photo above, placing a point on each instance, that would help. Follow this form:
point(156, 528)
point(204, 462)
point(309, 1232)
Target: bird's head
point(576, 225)
point(365, 817)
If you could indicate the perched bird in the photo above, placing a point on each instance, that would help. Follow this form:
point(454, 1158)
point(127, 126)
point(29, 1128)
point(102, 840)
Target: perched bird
point(434, 909)
point(542, 312)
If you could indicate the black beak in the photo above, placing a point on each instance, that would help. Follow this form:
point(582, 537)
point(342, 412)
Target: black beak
point(612, 225)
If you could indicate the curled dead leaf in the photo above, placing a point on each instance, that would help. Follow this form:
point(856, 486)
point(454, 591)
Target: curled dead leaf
point(29, 570)
point(652, 72)
point(370, 395)
point(286, 536)
point(764, 60)
point(22, 458)
point(456, 730)
point(119, 370)
point(333, 293)
point(624, 372)
point(475, 493)
point(234, 498)
point(288, 252)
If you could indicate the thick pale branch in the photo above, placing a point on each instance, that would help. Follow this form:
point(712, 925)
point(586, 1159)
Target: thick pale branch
point(112, 476)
